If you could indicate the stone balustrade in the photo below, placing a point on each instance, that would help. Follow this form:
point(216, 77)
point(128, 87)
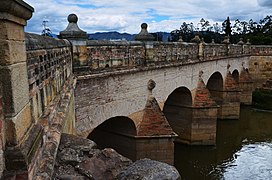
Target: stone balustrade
point(101, 56)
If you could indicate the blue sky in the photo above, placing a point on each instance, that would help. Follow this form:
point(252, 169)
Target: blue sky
point(127, 15)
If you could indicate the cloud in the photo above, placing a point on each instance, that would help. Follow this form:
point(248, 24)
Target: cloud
point(265, 3)
point(127, 15)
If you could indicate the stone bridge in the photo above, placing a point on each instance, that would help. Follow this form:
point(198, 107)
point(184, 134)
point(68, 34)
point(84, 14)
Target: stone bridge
point(137, 97)
point(136, 102)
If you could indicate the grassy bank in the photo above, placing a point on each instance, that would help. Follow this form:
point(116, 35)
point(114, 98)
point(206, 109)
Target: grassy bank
point(262, 99)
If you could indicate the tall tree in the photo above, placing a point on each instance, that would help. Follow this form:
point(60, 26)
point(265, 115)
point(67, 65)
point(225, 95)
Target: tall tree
point(227, 27)
point(205, 25)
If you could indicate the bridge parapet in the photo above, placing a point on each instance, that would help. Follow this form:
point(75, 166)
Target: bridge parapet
point(173, 52)
point(48, 86)
point(49, 66)
point(261, 50)
point(110, 54)
point(103, 56)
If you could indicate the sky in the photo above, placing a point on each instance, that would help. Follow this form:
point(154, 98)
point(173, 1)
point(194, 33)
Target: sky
point(127, 15)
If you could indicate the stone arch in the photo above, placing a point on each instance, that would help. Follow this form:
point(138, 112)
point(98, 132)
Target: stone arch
point(215, 85)
point(116, 133)
point(177, 110)
point(236, 76)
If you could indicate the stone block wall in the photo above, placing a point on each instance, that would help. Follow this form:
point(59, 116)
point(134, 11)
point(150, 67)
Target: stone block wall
point(49, 64)
point(156, 148)
point(173, 52)
point(2, 159)
point(260, 68)
point(46, 79)
point(108, 54)
point(235, 50)
point(97, 56)
point(214, 51)
point(203, 126)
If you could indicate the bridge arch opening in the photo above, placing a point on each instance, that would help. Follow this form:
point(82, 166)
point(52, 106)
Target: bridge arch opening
point(116, 133)
point(236, 76)
point(215, 86)
point(178, 111)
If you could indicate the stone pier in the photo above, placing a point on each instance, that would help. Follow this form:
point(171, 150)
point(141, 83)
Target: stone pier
point(18, 123)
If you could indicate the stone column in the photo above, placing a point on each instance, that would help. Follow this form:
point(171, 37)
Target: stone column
point(230, 104)
point(2, 158)
point(148, 41)
point(247, 86)
point(154, 137)
point(204, 116)
point(13, 73)
point(78, 38)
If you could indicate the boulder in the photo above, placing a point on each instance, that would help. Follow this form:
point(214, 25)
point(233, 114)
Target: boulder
point(146, 169)
point(105, 165)
point(79, 159)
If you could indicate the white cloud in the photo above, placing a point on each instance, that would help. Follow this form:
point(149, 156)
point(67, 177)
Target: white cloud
point(127, 15)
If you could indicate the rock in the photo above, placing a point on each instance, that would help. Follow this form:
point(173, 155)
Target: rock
point(61, 170)
point(77, 143)
point(69, 156)
point(146, 169)
point(105, 165)
point(79, 159)
point(73, 150)
point(72, 177)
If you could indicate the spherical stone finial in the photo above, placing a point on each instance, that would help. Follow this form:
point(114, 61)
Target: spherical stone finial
point(200, 74)
point(144, 26)
point(151, 84)
point(228, 66)
point(72, 18)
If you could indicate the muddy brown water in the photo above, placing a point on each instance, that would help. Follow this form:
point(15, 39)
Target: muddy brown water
point(243, 150)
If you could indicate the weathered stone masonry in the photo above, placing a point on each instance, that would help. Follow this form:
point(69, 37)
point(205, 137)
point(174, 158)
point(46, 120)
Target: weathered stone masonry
point(37, 103)
point(36, 99)
point(172, 65)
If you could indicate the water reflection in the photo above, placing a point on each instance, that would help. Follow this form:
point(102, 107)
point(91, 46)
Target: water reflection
point(243, 150)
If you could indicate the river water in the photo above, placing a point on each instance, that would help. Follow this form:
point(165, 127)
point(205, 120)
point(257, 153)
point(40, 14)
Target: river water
point(243, 151)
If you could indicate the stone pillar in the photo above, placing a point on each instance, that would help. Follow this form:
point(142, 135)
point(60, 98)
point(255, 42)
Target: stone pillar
point(204, 117)
point(155, 137)
point(230, 104)
point(247, 86)
point(14, 80)
point(13, 72)
point(78, 38)
point(2, 158)
point(148, 41)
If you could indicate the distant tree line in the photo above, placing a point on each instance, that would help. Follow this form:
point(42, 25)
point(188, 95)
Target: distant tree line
point(257, 32)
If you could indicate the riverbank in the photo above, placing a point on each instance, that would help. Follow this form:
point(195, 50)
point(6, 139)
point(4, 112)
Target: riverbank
point(262, 98)
point(80, 159)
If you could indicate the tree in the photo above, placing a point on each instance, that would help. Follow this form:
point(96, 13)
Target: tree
point(241, 27)
point(186, 31)
point(205, 25)
point(266, 24)
point(227, 27)
point(216, 28)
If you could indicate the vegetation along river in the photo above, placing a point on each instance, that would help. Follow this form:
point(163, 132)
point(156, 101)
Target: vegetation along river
point(243, 150)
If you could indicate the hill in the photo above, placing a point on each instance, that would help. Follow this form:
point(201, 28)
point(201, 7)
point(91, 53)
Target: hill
point(122, 36)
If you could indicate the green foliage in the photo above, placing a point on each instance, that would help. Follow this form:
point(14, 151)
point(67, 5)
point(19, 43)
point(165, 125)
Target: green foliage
point(227, 27)
point(257, 33)
point(262, 99)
